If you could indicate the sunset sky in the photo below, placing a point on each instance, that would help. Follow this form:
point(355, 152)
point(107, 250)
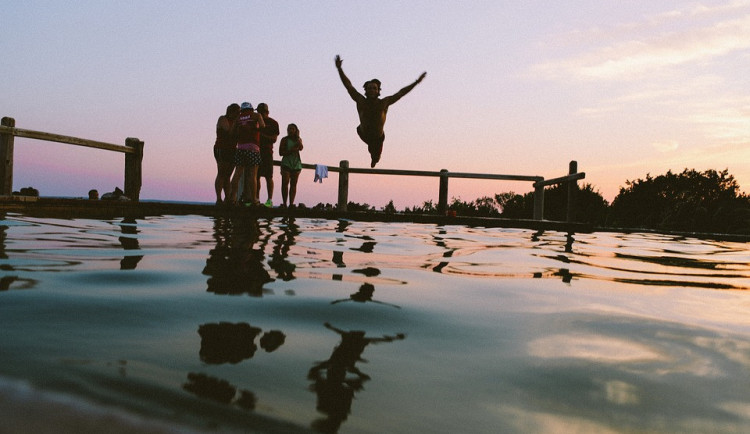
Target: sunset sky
point(626, 88)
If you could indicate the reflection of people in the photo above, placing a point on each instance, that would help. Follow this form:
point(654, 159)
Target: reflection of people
point(268, 136)
point(235, 266)
point(247, 157)
point(335, 390)
point(372, 110)
point(291, 163)
point(219, 390)
point(272, 340)
point(279, 261)
point(129, 227)
point(224, 150)
point(227, 343)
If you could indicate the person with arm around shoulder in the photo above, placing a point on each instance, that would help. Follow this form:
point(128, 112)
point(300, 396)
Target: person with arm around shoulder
point(224, 149)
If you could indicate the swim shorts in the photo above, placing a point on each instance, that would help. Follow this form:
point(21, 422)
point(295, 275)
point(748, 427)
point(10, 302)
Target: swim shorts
point(265, 169)
point(289, 169)
point(224, 155)
point(244, 157)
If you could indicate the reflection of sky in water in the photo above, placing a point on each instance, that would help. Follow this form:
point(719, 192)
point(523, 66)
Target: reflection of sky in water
point(386, 327)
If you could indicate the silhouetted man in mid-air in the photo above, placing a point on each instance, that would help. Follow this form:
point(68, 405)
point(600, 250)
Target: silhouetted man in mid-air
point(372, 110)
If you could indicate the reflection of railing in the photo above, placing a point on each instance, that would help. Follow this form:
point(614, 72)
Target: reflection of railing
point(539, 183)
point(133, 151)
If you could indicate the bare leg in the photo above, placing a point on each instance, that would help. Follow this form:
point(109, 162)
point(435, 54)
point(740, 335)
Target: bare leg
point(269, 187)
point(374, 145)
point(223, 180)
point(284, 186)
point(218, 182)
point(238, 171)
point(252, 178)
point(293, 187)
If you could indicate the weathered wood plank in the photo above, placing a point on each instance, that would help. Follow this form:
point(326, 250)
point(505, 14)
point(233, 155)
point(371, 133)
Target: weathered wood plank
point(50, 137)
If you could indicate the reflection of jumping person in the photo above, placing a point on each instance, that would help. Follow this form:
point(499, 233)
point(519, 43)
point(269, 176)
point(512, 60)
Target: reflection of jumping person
point(372, 110)
point(335, 391)
point(364, 295)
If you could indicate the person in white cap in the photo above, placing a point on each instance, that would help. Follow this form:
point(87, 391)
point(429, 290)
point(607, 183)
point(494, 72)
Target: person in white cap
point(247, 130)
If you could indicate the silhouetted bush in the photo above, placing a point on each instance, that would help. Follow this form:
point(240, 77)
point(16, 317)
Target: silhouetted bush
point(708, 201)
point(590, 206)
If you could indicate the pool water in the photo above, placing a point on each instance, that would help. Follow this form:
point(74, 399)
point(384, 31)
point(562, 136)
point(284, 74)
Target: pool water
point(193, 323)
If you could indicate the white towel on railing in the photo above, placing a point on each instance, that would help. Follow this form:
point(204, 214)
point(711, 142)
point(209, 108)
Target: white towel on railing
point(321, 172)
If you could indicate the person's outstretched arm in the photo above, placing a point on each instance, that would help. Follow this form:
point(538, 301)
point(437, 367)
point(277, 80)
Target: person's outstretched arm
point(397, 96)
point(347, 83)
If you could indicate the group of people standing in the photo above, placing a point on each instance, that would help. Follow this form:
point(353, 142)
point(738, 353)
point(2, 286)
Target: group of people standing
point(244, 148)
point(244, 142)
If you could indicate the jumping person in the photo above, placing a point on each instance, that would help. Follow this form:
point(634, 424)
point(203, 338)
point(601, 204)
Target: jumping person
point(372, 110)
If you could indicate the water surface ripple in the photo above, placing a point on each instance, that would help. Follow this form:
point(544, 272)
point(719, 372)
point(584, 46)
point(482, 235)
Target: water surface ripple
point(179, 323)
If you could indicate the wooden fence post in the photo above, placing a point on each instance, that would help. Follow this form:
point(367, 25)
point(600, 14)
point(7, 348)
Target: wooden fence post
point(443, 193)
point(538, 200)
point(133, 172)
point(572, 188)
point(6, 159)
point(343, 185)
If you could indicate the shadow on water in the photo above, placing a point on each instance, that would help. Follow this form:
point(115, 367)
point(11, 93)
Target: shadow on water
point(7, 280)
point(440, 242)
point(336, 380)
point(229, 343)
point(236, 263)
point(218, 390)
point(284, 241)
point(364, 295)
point(128, 241)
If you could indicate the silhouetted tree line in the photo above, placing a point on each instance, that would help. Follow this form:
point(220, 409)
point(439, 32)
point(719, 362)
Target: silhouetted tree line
point(708, 201)
point(691, 201)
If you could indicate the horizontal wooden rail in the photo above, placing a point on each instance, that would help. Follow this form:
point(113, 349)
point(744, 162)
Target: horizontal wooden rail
point(426, 173)
point(49, 137)
point(538, 181)
point(134, 155)
point(560, 180)
point(133, 151)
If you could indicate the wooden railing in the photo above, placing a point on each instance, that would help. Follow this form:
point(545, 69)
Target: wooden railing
point(133, 151)
point(538, 182)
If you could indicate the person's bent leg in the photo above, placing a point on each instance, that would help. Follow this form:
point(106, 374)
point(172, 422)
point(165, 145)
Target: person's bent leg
point(376, 150)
